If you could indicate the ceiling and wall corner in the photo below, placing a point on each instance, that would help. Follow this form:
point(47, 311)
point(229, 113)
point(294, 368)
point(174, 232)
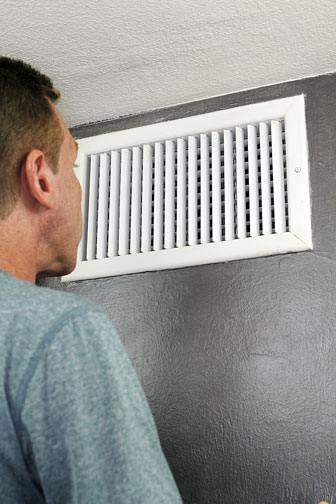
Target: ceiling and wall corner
point(112, 59)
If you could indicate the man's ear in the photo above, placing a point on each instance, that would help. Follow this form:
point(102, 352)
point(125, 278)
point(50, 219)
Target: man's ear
point(39, 179)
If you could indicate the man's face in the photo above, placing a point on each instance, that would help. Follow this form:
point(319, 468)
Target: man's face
point(66, 229)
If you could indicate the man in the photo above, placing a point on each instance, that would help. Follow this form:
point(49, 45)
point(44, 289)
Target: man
point(75, 426)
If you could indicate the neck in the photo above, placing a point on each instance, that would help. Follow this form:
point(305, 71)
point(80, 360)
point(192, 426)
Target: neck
point(18, 248)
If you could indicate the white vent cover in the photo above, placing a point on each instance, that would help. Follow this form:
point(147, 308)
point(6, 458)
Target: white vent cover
point(227, 185)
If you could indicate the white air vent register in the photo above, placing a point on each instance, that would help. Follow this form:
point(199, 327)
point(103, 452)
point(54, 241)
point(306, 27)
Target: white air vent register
point(216, 187)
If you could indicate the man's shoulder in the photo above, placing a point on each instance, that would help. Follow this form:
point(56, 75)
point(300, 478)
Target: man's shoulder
point(31, 317)
point(23, 295)
point(24, 305)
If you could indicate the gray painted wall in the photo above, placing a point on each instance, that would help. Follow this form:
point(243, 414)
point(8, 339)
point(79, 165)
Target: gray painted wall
point(238, 360)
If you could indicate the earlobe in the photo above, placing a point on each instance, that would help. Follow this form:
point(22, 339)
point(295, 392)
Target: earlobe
point(39, 179)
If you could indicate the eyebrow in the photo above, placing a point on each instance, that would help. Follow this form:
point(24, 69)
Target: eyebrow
point(77, 146)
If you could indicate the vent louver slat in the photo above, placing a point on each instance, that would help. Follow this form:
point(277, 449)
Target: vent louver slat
point(103, 195)
point(158, 197)
point(169, 221)
point(265, 180)
point(241, 177)
point(125, 192)
point(216, 187)
point(229, 186)
point(146, 199)
point(136, 201)
point(253, 180)
point(171, 199)
point(278, 178)
point(113, 230)
point(181, 194)
point(204, 210)
point(92, 210)
point(192, 161)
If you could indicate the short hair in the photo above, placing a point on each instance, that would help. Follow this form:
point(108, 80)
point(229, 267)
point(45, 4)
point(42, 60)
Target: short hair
point(27, 122)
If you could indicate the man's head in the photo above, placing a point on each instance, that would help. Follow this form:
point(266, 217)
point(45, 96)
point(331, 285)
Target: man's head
point(37, 154)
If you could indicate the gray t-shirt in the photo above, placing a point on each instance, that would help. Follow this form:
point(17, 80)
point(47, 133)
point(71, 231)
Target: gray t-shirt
point(75, 426)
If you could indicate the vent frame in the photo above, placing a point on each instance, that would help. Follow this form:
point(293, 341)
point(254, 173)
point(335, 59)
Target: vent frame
point(290, 111)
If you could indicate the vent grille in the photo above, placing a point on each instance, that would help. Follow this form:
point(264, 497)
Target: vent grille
point(212, 187)
point(194, 190)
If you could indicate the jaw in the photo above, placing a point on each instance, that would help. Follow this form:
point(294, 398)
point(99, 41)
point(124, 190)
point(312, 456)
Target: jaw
point(59, 266)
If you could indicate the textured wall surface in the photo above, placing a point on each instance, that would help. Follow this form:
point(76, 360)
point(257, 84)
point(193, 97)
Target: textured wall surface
point(238, 359)
point(112, 58)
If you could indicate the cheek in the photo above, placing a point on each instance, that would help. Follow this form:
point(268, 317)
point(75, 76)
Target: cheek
point(78, 201)
point(76, 187)
point(79, 191)
point(75, 191)
point(71, 198)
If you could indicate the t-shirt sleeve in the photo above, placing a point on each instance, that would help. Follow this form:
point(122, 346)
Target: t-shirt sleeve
point(87, 433)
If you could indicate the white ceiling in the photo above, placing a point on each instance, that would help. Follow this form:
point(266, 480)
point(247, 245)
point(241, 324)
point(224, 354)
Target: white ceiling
point(113, 58)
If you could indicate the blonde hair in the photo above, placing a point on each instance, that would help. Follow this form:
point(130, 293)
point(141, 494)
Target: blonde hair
point(27, 122)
